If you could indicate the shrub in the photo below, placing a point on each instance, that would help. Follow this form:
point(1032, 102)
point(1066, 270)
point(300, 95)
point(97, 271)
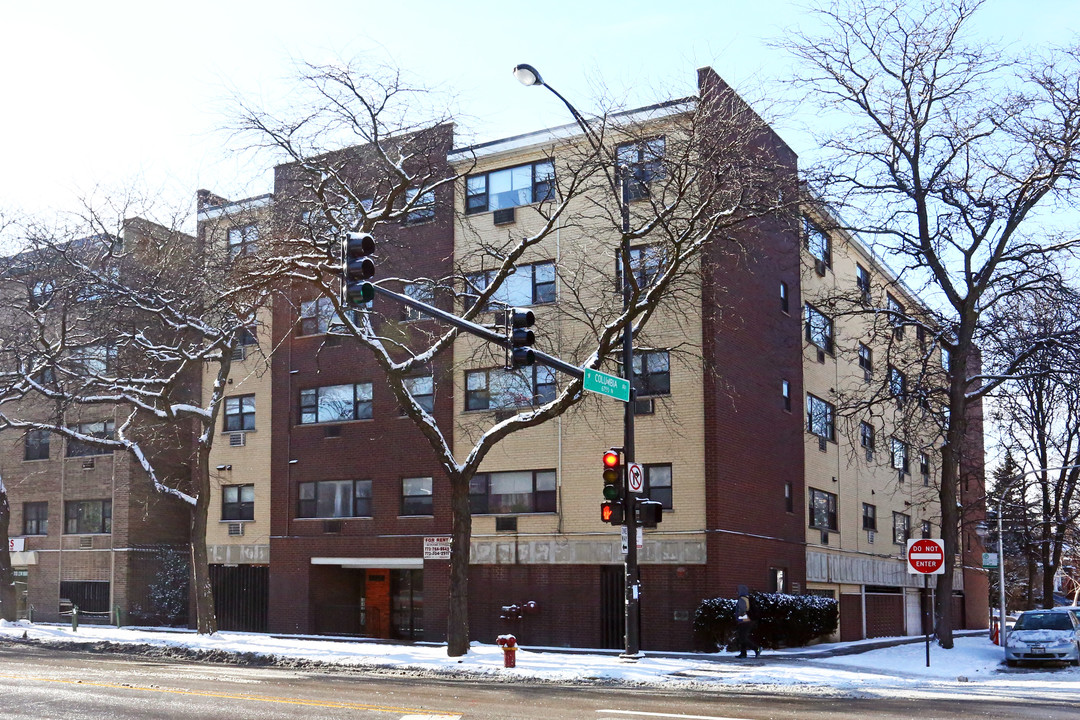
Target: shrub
point(780, 620)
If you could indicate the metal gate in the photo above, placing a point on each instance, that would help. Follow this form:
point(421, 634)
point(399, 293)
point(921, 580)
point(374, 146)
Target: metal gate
point(612, 606)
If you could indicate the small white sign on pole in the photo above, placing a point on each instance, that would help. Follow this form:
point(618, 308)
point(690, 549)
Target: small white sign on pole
point(635, 477)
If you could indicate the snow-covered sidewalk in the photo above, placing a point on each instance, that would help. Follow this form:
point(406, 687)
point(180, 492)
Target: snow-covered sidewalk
point(972, 669)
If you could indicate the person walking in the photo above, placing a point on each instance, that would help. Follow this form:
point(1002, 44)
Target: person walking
point(743, 624)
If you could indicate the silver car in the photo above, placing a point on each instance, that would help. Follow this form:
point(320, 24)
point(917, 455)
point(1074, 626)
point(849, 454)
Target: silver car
point(1044, 636)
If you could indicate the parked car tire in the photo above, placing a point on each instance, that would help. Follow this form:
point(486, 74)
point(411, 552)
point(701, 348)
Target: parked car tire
point(1010, 663)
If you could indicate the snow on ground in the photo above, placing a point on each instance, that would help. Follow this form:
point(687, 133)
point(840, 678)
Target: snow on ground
point(973, 669)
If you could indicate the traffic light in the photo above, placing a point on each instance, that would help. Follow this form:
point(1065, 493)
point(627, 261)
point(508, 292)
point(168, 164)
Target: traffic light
point(611, 510)
point(359, 268)
point(521, 338)
point(648, 513)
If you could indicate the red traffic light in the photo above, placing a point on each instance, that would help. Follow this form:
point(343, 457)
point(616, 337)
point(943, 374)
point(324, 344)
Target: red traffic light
point(611, 459)
point(611, 512)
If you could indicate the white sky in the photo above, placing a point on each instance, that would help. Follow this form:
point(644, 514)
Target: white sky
point(110, 95)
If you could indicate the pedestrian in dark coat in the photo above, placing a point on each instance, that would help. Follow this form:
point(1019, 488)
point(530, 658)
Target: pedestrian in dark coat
point(743, 624)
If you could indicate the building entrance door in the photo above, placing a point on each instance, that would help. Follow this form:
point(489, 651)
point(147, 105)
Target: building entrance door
point(407, 604)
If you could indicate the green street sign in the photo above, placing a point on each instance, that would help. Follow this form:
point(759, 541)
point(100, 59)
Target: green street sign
point(608, 385)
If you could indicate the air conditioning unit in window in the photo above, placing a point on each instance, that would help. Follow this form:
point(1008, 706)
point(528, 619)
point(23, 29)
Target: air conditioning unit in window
point(822, 444)
point(869, 455)
point(239, 352)
point(237, 439)
point(867, 375)
point(236, 529)
point(86, 543)
point(824, 537)
point(505, 216)
point(819, 266)
point(821, 356)
point(88, 464)
point(331, 526)
point(870, 536)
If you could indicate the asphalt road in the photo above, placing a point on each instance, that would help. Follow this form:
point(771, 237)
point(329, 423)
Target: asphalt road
point(45, 684)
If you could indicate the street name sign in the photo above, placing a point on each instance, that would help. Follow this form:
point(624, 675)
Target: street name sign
point(437, 547)
point(607, 385)
point(926, 557)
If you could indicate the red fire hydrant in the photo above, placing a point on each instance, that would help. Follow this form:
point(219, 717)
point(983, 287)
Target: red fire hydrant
point(508, 643)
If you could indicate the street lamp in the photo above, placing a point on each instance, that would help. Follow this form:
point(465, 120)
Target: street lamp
point(1000, 546)
point(529, 76)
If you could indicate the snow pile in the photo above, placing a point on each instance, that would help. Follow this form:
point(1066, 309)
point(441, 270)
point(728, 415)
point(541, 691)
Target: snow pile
point(973, 669)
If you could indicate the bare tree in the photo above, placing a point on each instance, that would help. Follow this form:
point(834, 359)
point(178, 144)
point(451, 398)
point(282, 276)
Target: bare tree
point(127, 315)
point(705, 168)
point(945, 152)
point(1039, 415)
point(7, 575)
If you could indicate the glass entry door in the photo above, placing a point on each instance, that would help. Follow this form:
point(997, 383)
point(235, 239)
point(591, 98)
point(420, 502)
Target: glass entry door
point(407, 604)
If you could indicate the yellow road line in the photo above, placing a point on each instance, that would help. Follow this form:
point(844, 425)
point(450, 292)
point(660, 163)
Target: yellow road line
point(236, 696)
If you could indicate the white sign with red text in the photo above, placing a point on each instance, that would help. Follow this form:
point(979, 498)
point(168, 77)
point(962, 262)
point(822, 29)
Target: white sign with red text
point(16, 544)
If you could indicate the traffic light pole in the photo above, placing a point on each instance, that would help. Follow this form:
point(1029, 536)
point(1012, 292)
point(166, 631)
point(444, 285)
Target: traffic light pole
point(632, 578)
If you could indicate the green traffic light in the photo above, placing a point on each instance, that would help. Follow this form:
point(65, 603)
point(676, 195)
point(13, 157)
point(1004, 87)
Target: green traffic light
point(611, 492)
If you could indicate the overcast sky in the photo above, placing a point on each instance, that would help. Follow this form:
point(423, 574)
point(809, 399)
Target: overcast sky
point(107, 95)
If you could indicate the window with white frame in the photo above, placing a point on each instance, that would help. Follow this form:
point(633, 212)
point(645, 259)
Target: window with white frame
point(416, 496)
point(819, 329)
point(334, 499)
point(510, 187)
point(496, 388)
point(335, 403)
point(900, 456)
point(658, 484)
point(820, 417)
point(531, 284)
point(640, 163)
point(500, 493)
point(901, 524)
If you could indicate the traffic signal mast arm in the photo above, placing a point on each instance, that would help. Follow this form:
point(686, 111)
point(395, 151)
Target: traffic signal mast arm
point(481, 331)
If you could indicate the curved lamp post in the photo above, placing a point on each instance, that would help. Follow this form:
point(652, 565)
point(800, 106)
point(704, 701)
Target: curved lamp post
point(529, 76)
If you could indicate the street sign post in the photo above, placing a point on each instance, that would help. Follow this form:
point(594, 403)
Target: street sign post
point(607, 385)
point(926, 557)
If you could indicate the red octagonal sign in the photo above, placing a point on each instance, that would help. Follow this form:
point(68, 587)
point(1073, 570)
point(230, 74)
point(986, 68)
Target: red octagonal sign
point(926, 556)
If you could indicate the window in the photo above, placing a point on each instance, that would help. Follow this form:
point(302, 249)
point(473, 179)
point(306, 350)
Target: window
point(901, 528)
point(88, 517)
point(510, 187)
point(652, 373)
point(94, 360)
point(897, 385)
point(789, 497)
point(866, 360)
point(658, 484)
point(416, 496)
point(239, 413)
point(423, 210)
point(866, 438)
point(927, 529)
point(425, 293)
point(497, 388)
point(334, 499)
point(869, 516)
point(778, 580)
point(818, 244)
point(820, 418)
point(238, 502)
point(644, 162)
point(920, 335)
point(37, 445)
point(946, 358)
point(245, 336)
point(822, 510)
point(103, 430)
point(242, 240)
point(422, 389)
point(896, 316)
point(819, 330)
point(900, 456)
point(785, 393)
point(36, 518)
point(784, 302)
point(924, 468)
point(335, 403)
point(527, 491)
point(41, 292)
point(528, 285)
point(862, 281)
point(318, 317)
point(646, 263)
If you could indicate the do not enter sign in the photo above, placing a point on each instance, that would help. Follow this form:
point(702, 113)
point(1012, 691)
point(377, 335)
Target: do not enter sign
point(926, 557)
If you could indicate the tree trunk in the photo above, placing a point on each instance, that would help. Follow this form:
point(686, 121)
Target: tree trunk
point(7, 576)
point(457, 630)
point(949, 536)
point(206, 619)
